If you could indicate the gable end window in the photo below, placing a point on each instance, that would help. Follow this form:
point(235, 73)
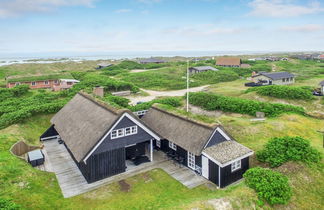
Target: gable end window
point(172, 145)
point(130, 130)
point(123, 132)
point(117, 133)
point(236, 165)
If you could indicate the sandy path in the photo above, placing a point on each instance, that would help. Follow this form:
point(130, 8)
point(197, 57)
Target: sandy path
point(154, 94)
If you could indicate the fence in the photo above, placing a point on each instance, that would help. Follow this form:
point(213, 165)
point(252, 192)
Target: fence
point(20, 148)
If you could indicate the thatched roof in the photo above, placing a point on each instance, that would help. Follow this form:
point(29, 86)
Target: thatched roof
point(82, 122)
point(227, 151)
point(228, 61)
point(186, 133)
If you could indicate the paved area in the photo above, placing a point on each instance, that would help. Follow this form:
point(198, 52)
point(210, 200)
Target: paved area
point(72, 182)
point(154, 94)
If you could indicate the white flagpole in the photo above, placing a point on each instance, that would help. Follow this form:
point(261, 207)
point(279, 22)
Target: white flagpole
point(187, 85)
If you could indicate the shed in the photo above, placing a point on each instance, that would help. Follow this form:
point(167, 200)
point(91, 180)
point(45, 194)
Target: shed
point(36, 157)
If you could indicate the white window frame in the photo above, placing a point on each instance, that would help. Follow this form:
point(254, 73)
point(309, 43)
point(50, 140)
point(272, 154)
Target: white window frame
point(132, 130)
point(191, 161)
point(33, 83)
point(46, 82)
point(236, 165)
point(172, 145)
point(117, 133)
point(158, 143)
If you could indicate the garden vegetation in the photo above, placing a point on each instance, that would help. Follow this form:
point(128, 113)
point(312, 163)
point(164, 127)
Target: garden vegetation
point(285, 92)
point(270, 186)
point(210, 101)
point(280, 150)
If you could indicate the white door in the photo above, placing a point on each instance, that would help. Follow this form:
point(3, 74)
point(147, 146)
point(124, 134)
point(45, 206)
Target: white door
point(191, 161)
point(205, 167)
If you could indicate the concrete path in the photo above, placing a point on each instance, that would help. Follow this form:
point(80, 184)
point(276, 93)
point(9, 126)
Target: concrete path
point(73, 183)
point(154, 94)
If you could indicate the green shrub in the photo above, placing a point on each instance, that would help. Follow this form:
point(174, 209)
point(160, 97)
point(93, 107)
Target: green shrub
point(270, 186)
point(210, 101)
point(8, 204)
point(280, 150)
point(171, 101)
point(13, 92)
point(281, 91)
point(210, 77)
point(117, 100)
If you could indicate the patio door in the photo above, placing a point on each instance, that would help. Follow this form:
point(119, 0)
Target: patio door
point(191, 161)
point(205, 167)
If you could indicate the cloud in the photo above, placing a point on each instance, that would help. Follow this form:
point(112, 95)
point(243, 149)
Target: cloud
point(123, 10)
point(203, 30)
point(15, 8)
point(303, 28)
point(282, 8)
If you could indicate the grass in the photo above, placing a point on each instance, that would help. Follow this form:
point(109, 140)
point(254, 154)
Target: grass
point(41, 190)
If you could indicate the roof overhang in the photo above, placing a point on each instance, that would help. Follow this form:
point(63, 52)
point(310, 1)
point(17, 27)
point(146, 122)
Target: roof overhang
point(229, 162)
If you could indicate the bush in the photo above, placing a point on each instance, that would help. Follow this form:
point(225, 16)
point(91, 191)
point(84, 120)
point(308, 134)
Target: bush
point(211, 101)
point(117, 100)
point(7, 204)
point(171, 101)
point(13, 92)
point(280, 150)
point(270, 186)
point(211, 77)
point(281, 91)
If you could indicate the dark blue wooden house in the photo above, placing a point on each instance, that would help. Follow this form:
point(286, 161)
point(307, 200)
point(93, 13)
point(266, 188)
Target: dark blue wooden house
point(102, 141)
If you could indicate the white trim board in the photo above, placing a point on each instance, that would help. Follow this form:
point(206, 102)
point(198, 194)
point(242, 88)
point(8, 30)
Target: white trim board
point(138, 123)
point(50, 137)
point(230, 162)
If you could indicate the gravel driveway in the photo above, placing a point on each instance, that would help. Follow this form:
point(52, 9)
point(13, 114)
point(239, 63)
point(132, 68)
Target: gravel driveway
point(154, 94)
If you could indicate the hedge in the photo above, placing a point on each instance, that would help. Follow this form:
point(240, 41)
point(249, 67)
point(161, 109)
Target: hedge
point(282, 91)
point(16, 91)
point(280, 150)
point(210, 101)
point(270, 186)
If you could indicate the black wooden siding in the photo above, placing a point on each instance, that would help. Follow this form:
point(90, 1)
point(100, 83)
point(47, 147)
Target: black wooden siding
point(103, 165)
point(213, 172)
point(228, 177)
point(49, 132)
point(111, 144)
point(216, 139)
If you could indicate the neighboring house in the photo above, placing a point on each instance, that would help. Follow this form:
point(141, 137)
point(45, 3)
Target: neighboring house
point(102, 141)
point(99, 138)
point(103, 65)
point(52, 81)
point(229, 62)
point(151, 60)
point(321, 57)
point(65, 84)
point(198, 69)
point(210, 151)
point(322, 86)
point(274, 78)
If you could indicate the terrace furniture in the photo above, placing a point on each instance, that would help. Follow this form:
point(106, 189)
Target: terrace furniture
point(140, 159)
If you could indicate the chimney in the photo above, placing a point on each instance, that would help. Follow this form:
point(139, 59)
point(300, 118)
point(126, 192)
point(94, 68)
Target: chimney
point(98, 91)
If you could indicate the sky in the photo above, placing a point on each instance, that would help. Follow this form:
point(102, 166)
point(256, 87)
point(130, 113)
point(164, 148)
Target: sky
point(45, 26)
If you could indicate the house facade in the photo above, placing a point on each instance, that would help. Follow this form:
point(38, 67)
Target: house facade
point(65, 84)
point(104, 142)
point(229, 62)
point(151, 60)
point(274, 78)
point(49, 84)
point(199, 69)
point(322, 86)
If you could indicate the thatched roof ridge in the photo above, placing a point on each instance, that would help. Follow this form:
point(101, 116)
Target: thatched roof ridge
point(182, 117)
point(82, 122)
point(186, 133)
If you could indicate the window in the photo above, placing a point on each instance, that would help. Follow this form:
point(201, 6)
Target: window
point(117, 133)
point(17, 83)
point(158, 143)
point(123, 132)
point(46, 82)
point(172, 145)
point(69, 83)
point(283, 80)
point(55, 81)
point(236, 165)
point(33, 83)
point(191, 160)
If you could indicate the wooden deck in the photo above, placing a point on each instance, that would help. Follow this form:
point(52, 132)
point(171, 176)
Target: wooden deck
point(72, 182)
